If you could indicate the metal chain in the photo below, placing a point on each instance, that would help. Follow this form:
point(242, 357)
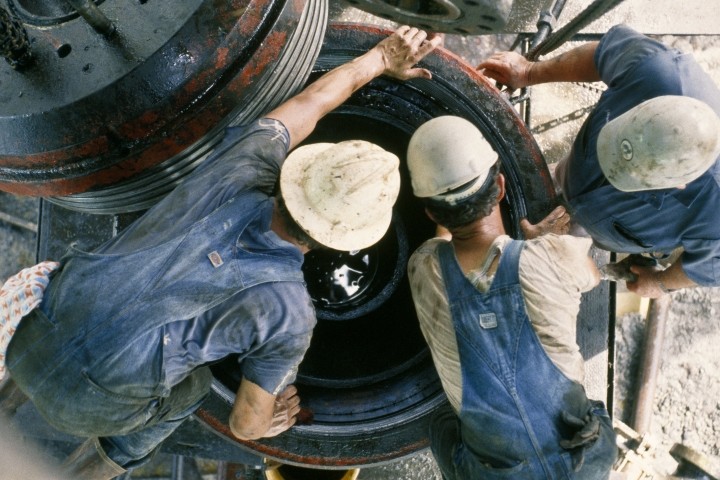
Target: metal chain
point(577, 114)
point(593, 87)
point(14, 41)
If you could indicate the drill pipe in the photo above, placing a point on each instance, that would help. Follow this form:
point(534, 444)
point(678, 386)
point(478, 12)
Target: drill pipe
point(654, 338)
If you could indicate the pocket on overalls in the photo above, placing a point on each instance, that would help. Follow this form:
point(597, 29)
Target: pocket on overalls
point(34, 330)
point(593, 449)
point(602, 454)
point(470, 466)
point(97, 411)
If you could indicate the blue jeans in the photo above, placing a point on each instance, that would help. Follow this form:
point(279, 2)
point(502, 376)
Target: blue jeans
point(90, 357)
point(130, 428)
point(136, 448)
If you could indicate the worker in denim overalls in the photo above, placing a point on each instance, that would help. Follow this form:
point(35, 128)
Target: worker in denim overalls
point(499, 318)
point(118, 348)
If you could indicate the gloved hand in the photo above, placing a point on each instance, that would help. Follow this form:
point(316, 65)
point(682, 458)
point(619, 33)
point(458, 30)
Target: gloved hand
point(587, 431)
point(619, 271)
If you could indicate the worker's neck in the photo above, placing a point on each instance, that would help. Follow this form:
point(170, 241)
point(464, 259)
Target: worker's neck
point(480, 234)
point(277, 225)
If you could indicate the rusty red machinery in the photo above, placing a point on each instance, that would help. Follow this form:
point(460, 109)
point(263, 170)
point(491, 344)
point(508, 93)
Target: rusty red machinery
point(449, 16)
point(109, 119)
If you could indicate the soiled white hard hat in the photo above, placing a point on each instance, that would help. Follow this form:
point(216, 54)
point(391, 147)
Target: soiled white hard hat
point(341, 194)
point(446, 153)
point(664, 142)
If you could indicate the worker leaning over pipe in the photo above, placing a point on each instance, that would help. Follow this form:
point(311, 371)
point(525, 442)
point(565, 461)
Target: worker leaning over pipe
point(116, 351)
point(643, 175)
point(499, 317)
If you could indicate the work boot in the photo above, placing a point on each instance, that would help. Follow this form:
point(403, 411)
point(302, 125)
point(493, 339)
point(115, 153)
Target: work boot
point(11, 397)
point(89, 462)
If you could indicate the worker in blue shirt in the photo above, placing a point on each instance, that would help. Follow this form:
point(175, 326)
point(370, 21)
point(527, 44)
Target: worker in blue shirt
point(643, 175)
point(117, 350)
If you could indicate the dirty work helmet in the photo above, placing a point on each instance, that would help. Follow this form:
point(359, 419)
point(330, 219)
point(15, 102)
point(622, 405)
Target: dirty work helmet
point(341, 194)
point(664, 142)
point(445, 154)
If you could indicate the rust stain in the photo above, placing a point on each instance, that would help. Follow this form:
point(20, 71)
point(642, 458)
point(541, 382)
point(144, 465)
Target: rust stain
point(266, 55)
point(59, 158)
point(221, 59)
point(337, 461)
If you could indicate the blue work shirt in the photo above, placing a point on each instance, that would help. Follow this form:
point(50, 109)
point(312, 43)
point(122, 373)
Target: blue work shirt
point(268, 324)
point(635, 69)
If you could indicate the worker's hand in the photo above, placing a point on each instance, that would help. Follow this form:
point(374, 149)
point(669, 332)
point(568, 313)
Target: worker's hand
point(403, 49)
point(287, 406)
point(647, 283)
point(558, 222)
point(507, 68)
point(587, 430)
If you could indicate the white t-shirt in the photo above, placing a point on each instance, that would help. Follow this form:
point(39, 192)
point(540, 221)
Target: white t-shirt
point(554, 271)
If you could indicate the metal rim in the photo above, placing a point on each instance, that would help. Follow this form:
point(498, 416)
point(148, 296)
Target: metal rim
point(151, 143)
point(279, 81)
point(463, 17)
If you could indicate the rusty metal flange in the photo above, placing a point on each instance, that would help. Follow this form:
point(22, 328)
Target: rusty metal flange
point(475, 17)
point(121, 119)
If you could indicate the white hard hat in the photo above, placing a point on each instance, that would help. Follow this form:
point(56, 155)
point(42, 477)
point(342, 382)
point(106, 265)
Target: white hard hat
point(341, 194)
point(446, 153)
point(664, 142)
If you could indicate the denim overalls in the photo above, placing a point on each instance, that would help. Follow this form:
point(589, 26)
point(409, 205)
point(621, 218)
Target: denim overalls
point(97, 305)
point(510, 422)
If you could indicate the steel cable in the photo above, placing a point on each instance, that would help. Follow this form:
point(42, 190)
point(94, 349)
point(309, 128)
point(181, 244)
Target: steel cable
point(593, 12)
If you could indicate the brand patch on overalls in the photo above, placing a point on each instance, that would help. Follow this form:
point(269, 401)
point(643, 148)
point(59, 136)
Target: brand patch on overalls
point(215, 259)
point(488, 320)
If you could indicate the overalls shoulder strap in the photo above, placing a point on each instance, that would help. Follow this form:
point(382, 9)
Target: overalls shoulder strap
point(456, 283)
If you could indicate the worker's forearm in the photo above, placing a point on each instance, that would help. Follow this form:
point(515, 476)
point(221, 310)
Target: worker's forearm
point(393, 56)
point(252, 412)
point(327, 93)
point(674, 277)
point(576, 65)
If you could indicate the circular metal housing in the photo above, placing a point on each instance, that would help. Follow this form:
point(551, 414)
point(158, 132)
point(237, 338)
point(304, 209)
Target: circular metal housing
point(111, 123)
